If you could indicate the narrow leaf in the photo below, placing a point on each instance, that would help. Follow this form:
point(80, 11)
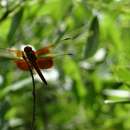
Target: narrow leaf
point(92, 40)
point(117, 101)
point(15, 24)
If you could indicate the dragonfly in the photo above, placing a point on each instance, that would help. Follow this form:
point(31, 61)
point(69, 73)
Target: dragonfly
point(29, 59)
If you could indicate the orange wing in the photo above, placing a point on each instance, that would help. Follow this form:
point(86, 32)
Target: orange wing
point(45, 50)
point(21, 64)
point(43, 63)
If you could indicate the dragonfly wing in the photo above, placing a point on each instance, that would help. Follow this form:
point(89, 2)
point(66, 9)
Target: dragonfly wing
point(44, 50)
point(21, 64)
point(10, 53)
point(45, 63)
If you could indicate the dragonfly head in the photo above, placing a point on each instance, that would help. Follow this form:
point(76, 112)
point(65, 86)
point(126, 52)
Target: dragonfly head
point(28, 49)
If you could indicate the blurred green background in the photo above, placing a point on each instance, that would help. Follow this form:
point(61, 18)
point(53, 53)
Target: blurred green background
point(98, 35)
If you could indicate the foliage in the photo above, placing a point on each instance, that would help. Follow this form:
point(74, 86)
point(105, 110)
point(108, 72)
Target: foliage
point(97, 33)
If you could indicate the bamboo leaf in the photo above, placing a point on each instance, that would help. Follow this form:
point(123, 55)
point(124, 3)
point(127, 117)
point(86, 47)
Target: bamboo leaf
point(92, 40)
point(14, 25)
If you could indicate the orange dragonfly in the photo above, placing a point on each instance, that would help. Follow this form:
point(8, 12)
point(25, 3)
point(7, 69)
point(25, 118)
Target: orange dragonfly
point(30, 59)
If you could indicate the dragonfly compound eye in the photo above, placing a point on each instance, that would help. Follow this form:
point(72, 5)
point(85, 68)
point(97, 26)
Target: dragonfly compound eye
point(27, 49)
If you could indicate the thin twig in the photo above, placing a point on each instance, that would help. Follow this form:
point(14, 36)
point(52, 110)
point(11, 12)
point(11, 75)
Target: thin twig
point(33, 93)
point(34, 100)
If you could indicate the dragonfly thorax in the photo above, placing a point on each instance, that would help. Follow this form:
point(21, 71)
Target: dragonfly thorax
point(30, 54)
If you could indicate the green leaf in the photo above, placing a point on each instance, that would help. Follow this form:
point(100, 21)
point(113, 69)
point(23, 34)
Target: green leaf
point(73, 71)
point(92, 40)
point(121, 101)
point(14, 25)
